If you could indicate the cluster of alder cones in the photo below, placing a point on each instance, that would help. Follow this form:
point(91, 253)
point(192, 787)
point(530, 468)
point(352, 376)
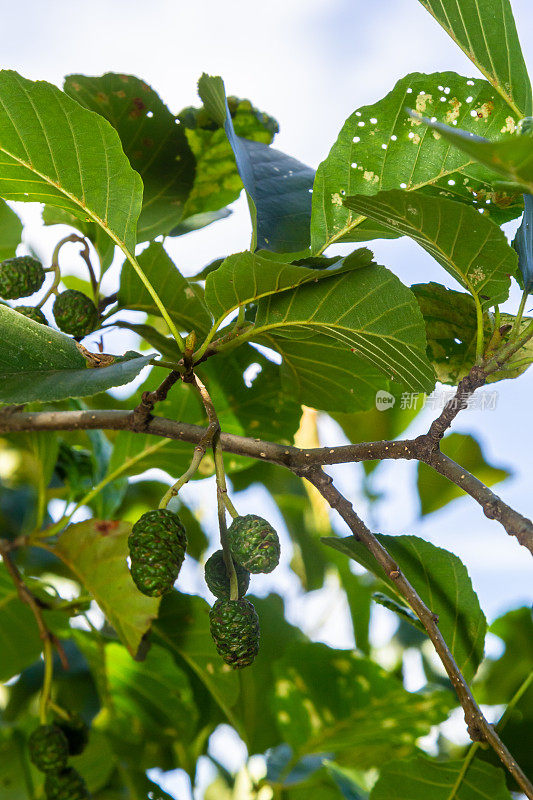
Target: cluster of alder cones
point(74, 312)
point(157, 548)
point(50, 747)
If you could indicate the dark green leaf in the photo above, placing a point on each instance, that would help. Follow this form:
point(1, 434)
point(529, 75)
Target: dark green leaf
point(39, 363)
point(217, 181)
point(486, 33)
point(435, 491)
point(442, 582)
point(156, 146)
point(502, 677)
point(278, 186)
point(471, 248)
point(381, 147)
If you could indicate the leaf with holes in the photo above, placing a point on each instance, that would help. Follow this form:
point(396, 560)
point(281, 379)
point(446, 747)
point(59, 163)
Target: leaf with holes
point(10, 231)
point(485, 30)
point(247, 277)
point(381, 147)
point(278, 186)
point(156, 146)
point(435, 491)
point(183, 300)
point(443, 583)
point(510, 157)
point(96, 552)
point(364, 315)
point(470, 247)
point(421, 777)
point(56, 152)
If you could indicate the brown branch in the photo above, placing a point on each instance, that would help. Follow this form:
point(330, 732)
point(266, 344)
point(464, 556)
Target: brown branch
point(143, 412)
point(479, 728)
point(30, 600)
point(12, 420)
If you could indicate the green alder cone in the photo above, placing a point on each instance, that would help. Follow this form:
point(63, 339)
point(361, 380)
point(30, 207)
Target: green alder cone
point(254, 543)
point(66, 785)
point(157, 546)
point(76, 733)
point(48, 748)
point(235, 631)
point(217, 578)
point(75, 313)
point(20, 277)
point(33, 313)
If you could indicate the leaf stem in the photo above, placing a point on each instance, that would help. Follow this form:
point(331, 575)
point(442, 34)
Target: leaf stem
point(198, 454)
point(519, 314)
point(220, 475)
point(47, 682)
point(155, 297)
point(479, 329)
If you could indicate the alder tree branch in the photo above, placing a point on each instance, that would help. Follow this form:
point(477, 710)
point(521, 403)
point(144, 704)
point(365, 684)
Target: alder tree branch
point(12, 420)
point(478, 727)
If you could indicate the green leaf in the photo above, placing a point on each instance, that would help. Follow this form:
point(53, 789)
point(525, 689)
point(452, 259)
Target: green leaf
point(18, 652)
point(10, 231)
point(254, 707)
point(247, 277)
point(183, 300)
point(182, 628)
point(381, 147)
point(443, 583)
point(324, 331)
point(155, 693)
point(421, 777)
point(198, 221)
point(278, 187)
point(165, 345)
point(435, 491)
point(331, 700)
point(512, 157)
point(485, 30)
point(39, 363)
point(217, 181)
point(96, 552)
point(470, 247)
point(451, 330)
point(155, 145)
point(502, 677)
point(56, 152)
point(16, 778)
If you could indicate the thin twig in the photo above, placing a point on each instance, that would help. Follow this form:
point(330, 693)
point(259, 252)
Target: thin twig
point(220, 474)
point(142, 413)
point(478, 727)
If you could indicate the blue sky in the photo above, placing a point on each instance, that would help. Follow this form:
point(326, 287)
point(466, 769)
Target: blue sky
point(309, 64)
